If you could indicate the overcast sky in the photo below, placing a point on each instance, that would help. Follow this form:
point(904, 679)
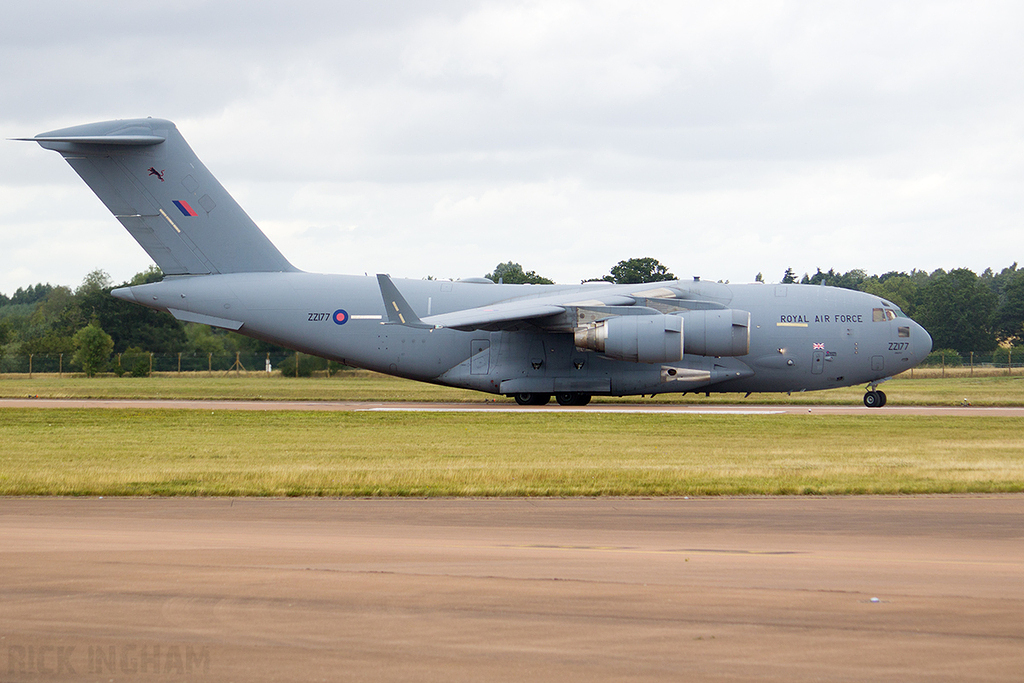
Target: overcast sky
point(722, 138)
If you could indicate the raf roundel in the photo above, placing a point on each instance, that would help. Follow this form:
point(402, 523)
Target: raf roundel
point(340, 317)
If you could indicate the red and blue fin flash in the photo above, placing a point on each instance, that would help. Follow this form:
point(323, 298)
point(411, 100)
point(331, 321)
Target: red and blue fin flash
point(185, 209)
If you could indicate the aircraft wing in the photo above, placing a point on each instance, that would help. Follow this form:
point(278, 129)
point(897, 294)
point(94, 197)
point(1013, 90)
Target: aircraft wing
point(557, 312)
point(507, 314)
point(486, 317)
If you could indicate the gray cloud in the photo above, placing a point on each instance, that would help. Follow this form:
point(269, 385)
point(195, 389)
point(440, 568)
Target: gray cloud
point(724, 139)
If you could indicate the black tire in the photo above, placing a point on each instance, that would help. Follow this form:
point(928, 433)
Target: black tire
point(882, 398)
point(528, 399)
point(582, 399)
point(566, 399)
point(872, 399)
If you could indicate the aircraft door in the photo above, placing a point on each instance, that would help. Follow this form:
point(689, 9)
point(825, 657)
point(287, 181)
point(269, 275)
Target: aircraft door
point(480, 358)
point(817, 362)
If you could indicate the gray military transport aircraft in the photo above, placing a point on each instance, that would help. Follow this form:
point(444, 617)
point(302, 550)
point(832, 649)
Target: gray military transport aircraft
point(525, 341)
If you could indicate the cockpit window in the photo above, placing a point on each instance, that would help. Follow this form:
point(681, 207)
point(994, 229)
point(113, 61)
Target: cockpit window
point(880, 315)
point(891, 310)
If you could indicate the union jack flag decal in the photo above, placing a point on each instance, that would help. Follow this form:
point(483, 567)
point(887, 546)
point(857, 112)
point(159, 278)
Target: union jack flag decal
point(819, 346)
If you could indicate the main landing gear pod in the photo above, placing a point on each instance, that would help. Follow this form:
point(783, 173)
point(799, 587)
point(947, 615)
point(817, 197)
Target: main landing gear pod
point(568, 398)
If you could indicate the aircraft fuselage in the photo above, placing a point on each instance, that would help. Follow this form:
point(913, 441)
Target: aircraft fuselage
point(801, 337)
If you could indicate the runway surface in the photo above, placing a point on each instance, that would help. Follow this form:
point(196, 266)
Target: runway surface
point(507, 406)
point(709, 589)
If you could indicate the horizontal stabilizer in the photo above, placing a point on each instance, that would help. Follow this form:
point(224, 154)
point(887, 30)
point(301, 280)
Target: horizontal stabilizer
point(129, 140)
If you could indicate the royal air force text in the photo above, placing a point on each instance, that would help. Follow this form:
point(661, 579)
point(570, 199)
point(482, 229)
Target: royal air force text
point(841, 318)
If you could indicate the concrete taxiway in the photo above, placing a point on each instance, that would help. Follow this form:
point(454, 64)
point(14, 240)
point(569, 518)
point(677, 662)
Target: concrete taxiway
point(711, 589)
point(508, 406)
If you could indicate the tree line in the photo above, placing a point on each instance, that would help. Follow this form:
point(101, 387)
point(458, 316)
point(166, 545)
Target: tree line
point(45, 319)
point(963, 311)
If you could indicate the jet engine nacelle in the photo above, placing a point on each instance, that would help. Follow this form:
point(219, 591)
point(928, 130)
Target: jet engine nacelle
point(636, 338)
point(717, 332)
point(661, 338)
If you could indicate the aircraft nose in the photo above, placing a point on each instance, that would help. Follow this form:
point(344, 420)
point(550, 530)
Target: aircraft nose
point(926, 340)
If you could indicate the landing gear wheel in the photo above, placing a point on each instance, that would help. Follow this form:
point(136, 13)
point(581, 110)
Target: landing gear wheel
point(572, 399)
point(874, 399)
point(526, 399)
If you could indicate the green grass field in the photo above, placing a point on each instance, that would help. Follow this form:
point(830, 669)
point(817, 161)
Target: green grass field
point(188, 452)
point(368, 386)
point(289, 453)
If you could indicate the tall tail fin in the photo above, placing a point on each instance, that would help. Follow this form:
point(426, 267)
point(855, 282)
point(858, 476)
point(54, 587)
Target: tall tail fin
point(155, 185)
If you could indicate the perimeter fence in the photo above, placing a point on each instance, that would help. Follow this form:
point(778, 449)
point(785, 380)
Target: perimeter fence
point(141, 364)
point(1002, 360)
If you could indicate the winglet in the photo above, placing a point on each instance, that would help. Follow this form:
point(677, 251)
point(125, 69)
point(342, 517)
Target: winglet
point(399, 310)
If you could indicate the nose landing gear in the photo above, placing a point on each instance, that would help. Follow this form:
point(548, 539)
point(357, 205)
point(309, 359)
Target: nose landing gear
point(874, 398)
